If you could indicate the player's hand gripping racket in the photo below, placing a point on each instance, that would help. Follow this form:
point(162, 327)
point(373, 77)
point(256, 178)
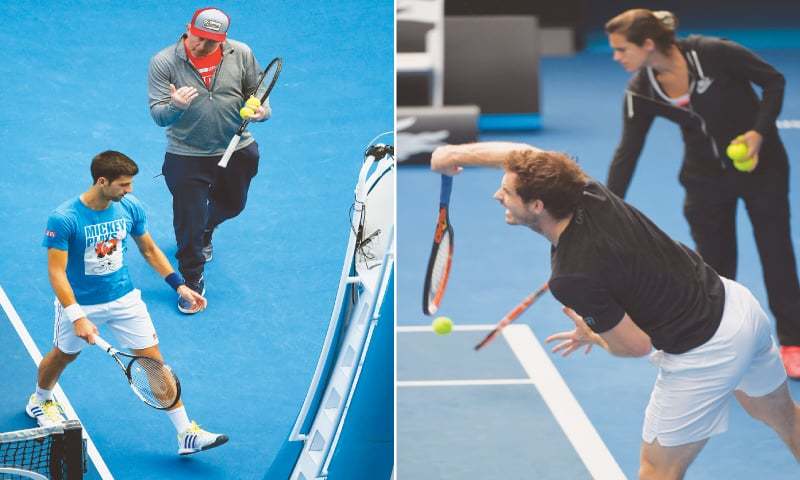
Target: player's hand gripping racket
point(441, 253)
point(151, 381)
point(512, 315)
point(266, 82)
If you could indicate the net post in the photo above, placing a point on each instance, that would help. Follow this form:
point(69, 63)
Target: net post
point(74, 458)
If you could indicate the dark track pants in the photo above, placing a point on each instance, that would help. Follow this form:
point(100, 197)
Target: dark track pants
point(710, 208)
point(203, 196)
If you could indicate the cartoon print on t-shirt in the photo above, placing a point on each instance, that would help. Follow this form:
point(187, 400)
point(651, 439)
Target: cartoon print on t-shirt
point(104, 250)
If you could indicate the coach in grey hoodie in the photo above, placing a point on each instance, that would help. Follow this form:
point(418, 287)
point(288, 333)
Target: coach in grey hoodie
point(196, 88)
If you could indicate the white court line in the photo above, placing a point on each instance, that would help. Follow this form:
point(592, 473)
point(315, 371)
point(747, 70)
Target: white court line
point(456, 328)
point(567, 411)
point(466, 383)
point(36, 355)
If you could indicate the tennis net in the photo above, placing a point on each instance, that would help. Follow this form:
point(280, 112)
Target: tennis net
point(43, 453)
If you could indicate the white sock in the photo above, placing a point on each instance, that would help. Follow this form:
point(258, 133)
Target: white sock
point(43, 395)
point(179, 419)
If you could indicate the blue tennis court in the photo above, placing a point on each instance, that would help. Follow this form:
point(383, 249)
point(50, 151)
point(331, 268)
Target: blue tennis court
point(75, 85)
point(513, 410)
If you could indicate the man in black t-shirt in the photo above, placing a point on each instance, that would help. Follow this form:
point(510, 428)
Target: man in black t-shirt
point(629, 287)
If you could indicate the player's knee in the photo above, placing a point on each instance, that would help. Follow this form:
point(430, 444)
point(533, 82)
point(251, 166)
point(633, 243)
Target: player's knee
point(64, 358)
point(660, 471)
point(647, 471)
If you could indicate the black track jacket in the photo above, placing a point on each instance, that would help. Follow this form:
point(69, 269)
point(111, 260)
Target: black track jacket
point(722, 106)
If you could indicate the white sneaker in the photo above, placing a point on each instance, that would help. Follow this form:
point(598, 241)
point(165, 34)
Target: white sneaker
point(194, 439)
point(47, 413)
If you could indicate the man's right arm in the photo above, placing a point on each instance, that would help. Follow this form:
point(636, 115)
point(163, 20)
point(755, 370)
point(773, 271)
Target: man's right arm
point(160, 91)
point(450, 159)
point(57, 273)
point(626, 339)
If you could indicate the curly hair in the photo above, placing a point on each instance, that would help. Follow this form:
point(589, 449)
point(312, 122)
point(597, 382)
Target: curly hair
point(552, 177)
point(639, 24)
point(112, 165)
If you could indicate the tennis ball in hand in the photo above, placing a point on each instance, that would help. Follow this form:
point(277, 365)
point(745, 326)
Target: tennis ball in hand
point(738, 153)
point(253, 103)
point(246, 112)
point(442, 325)
point(745, 165)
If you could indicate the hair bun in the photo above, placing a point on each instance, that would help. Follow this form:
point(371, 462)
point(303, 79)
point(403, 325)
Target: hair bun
point(667, 19)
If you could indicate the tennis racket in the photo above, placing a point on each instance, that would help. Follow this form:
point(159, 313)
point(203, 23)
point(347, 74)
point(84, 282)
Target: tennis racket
point(441, 253)
point(266, 82)
point(512, 315)
point(152, 381)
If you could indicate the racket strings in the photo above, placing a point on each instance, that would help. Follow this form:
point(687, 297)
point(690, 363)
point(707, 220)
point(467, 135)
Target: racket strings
point(154, 381)
point(267, 81)
point(262, 87)
point(441, 266)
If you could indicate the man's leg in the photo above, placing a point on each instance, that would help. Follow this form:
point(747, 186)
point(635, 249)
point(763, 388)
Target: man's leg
point(189, 180)
point(779, 411)
point(229, 195)
point(712, 219)
point(41, 404)
point(191, 438)
point(667, 463)
point(53, 364)
point(769, 214)
point(154, 353)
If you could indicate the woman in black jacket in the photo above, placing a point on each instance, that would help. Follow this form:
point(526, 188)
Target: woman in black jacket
point(704, 85)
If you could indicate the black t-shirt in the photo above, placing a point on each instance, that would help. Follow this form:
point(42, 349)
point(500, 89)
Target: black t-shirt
point(613, 260)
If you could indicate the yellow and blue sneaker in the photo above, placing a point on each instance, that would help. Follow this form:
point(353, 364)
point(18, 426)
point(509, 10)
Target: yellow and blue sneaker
point(47, 413)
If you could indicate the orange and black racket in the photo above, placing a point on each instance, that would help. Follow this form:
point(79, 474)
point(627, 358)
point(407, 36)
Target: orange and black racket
point(441, 253)
point(513, 314)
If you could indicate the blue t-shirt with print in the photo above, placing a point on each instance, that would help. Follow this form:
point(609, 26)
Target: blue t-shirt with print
point(96, 242)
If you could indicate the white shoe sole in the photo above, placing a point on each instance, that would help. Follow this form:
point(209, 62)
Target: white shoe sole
point(221, 439)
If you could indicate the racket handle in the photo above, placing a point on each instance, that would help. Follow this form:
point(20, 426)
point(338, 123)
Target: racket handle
point(226, 157)
point(102, 344)
point(447, 187)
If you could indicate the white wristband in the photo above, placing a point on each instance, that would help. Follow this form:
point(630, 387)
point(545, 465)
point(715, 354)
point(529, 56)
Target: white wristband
point(74, 312)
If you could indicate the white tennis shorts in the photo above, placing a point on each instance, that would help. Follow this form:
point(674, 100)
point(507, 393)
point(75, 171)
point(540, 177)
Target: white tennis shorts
point(691, 398)
point(126, 317)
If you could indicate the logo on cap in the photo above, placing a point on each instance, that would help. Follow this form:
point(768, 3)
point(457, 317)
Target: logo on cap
point(212, 25)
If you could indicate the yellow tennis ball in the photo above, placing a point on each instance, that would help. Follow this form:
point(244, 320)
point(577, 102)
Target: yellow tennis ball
point(246, 112)
point(745, 165)
point(737, 151)
point(442, 325)
point(253, 103)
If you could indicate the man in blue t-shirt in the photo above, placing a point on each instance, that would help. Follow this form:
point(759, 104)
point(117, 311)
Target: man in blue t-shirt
point(86, 240)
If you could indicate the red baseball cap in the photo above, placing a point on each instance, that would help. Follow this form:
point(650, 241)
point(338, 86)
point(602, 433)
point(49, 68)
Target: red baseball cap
point(210, 23)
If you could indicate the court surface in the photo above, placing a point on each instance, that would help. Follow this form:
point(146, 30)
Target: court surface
point(75, 84)
point(514, 410)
